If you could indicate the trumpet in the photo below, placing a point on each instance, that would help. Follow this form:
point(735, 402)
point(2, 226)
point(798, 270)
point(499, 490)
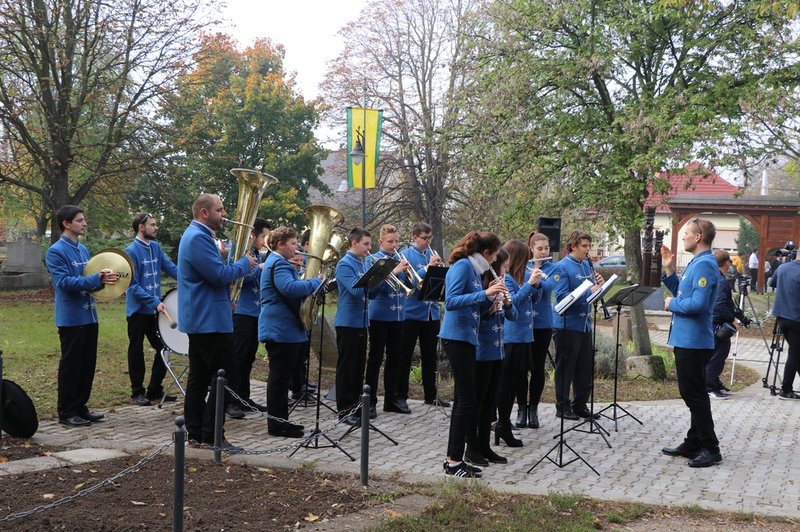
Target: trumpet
point(395, 282)
point(416, 280)
point(436, 255)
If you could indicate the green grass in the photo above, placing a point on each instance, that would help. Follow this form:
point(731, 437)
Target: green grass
point(31, 351)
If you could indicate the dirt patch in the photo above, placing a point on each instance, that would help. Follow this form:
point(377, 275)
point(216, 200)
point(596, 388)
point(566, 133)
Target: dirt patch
point(19, 449)
point(31, 296)
point(218, 497)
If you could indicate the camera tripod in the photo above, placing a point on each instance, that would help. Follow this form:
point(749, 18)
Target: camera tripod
point(744, 299)
point(776, 347)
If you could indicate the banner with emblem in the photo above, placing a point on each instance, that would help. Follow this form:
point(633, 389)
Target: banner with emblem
point(364, 125)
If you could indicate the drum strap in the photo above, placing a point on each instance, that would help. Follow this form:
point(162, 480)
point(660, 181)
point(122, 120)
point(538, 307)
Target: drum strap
point(295, 311)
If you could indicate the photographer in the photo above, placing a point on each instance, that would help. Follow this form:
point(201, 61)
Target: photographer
point(786, 282)
point(725, 326)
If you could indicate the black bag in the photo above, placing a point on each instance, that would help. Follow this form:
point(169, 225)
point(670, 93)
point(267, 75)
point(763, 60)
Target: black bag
point(725, 331)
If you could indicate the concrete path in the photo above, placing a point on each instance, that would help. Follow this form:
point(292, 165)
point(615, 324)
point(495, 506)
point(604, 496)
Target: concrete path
point(758, 435)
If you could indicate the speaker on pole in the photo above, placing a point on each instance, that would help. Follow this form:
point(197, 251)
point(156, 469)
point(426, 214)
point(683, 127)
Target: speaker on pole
point(552, 228)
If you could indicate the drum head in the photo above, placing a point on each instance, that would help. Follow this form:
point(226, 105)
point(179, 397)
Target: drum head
point(171, 337)
point(19, 414)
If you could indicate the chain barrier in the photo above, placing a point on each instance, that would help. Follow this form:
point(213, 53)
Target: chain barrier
point(91, 489)
point(254, 410)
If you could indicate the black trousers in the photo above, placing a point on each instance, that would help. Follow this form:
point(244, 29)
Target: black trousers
point(245, 347)
point(716, 363)
point(207, 355)
point(690, 365)
point(573, 366)
point(754, 279)
point(351, 343)
point(299, 374)
point(462, 417)
point(487, 381)
point(541, 344)
point(515, 371)
point(791, 331)
point(283, 358)
point(428, 334)
point(141, 326)
point(384, 336)
point(76, 369)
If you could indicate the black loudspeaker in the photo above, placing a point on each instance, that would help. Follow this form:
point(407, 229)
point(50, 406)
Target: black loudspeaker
point(552, 228)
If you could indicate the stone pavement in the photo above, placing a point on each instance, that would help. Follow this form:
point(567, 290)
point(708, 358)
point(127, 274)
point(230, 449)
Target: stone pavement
point(758, 434)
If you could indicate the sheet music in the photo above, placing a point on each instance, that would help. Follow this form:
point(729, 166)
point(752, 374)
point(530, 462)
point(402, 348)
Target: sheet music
point(575, 294)
point(606, 286)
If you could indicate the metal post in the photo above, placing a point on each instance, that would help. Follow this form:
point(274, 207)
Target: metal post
point(1, 395)
point(365, 437)
point(180, 464)
point(219, 415)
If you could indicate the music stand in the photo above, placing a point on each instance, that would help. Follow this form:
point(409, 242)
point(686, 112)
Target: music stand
point(625, 297)
point(312, 440)
point(594, 299)
point(432, 289)
point(561, 309)
point(376, 274)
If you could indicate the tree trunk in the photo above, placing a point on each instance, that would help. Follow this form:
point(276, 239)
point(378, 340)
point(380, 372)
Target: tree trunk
point(633, 257)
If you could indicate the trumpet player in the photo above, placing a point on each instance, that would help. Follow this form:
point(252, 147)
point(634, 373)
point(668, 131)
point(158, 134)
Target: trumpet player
point(387, 314)
point(422, 320)
point(76, 317)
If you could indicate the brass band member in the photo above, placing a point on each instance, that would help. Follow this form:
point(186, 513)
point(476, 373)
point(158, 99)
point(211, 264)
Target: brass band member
point(386, 316)
point(422, 320)
point(282, 293)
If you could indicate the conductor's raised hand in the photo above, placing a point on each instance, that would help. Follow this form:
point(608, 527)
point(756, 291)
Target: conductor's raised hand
point(667, 260)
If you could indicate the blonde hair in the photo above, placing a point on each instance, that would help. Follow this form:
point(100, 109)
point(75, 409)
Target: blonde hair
point(387, 229)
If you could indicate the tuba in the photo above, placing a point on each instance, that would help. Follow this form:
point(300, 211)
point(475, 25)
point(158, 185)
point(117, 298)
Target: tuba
point(321, 255)
point(252, 184)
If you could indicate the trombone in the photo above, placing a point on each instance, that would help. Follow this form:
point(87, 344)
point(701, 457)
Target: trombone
point(395, 283)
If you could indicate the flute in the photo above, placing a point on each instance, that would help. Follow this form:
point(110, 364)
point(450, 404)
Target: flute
point(506, 295)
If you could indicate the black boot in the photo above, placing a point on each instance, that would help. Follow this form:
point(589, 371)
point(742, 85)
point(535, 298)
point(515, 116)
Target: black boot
point(522, 416)
point(533, 418)
point(502, 431)
point(493, 457)
point(474, 457)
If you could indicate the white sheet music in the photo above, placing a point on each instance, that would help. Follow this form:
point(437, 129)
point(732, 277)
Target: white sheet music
point(565, 303)
point(603, 289)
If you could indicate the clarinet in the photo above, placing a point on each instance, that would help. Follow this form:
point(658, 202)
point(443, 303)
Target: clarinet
point(606, 312)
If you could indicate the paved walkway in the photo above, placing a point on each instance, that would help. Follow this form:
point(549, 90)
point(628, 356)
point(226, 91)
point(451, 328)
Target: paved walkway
point(758, 434)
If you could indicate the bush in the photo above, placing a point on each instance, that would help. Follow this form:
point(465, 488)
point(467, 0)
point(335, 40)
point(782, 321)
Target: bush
point(604, 358)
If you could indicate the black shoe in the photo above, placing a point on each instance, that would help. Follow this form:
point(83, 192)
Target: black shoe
point(286, 430)
point(567, 414)
point(309, 387)
point(156, 397)
point(582, 411)
point(227, 447)
point(522, 417)
point(788, 395)
point(503, 432)
point(373, 412)
point(169, 398)
point(352, 419)
point(234, 411)
point(680, 450)
point(438, 402)
point(194, 444)
point(257, 406)
point(141, 400)
point(533, 418)
point(493, 457)
point(705, 458)
point(396, 406)
point(91, 416)
point(475, 458)
point(461, 469)
point(74, 421)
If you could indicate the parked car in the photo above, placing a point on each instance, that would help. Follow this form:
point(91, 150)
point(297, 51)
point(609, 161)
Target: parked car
point(614, 264)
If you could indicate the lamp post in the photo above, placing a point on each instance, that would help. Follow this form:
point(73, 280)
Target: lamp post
point(358, 156)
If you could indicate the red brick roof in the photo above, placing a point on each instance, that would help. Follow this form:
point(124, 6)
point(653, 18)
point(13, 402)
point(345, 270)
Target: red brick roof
point(697, 181)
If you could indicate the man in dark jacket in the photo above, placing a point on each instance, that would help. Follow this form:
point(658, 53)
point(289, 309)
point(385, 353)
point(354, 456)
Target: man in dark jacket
point(725, 326)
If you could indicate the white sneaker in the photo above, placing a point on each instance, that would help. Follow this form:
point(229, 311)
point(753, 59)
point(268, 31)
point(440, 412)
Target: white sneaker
point(717, 395)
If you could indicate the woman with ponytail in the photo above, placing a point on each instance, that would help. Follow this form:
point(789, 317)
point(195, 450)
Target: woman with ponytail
point(470, 258)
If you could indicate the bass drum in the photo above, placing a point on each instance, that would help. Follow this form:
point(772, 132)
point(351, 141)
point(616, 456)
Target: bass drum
point(171, 337)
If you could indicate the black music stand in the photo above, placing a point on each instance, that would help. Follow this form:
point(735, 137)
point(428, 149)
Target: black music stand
point(561, 443)
point(432, 289)
point(625, 297)
point(376, 274)
point(595, 299)
point(312, 440)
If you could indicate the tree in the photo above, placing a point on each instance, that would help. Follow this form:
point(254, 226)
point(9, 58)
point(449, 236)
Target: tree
point(407, 57)
point(79, 83)
point(234, 109)
point(591, 103)
point(747, 240)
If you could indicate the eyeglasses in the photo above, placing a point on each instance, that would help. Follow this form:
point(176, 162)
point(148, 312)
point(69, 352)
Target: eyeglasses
point(427, 238)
